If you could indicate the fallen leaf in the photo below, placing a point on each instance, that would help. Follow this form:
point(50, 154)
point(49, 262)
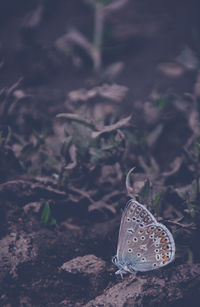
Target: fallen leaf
point(106, 129)
point(77, 118)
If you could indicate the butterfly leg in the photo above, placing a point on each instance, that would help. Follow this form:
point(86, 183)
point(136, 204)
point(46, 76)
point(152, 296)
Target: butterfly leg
point(120, 272)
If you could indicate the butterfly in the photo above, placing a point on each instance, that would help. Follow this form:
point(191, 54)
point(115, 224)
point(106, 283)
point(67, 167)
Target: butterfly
point(143, 243)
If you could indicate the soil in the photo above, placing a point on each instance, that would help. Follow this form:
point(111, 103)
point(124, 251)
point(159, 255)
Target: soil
point(69, 134)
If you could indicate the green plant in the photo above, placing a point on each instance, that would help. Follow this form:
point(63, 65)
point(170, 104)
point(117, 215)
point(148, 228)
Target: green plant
point(46, 216)
point(102, 8)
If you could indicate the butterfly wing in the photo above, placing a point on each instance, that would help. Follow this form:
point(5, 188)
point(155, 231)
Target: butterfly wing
point(134, 217)
point(149, 248)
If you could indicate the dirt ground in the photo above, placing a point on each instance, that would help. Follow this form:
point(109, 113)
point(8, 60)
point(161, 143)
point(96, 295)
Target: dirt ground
point(79, 107)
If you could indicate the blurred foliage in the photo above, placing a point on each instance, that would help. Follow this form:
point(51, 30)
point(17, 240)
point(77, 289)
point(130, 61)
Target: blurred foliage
point(87, 151)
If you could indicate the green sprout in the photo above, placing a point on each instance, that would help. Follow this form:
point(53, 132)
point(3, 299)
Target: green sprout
point(46, 216)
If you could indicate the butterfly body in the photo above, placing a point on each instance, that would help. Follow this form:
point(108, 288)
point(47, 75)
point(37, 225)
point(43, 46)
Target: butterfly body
point(143, 243)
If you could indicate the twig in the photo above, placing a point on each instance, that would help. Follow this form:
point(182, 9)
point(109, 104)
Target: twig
point(82, 193)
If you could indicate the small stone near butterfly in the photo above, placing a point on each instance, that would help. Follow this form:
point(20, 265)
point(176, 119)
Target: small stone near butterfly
point(87, 265)
point(89, 272)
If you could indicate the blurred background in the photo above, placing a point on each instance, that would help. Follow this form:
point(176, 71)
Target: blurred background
point(89, 89)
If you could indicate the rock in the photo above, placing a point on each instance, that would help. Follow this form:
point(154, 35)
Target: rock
point(15, 249)
point(177, 287)
point(88, 265)
point(87, 271)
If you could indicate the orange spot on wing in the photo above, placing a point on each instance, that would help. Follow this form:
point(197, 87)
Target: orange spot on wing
point(141, 230)
point(165, 247)
point(149, 230)
point(165, 257)
point(162, 240)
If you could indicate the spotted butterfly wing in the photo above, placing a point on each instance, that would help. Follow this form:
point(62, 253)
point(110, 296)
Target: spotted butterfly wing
point(143, 243)
point(131, 222)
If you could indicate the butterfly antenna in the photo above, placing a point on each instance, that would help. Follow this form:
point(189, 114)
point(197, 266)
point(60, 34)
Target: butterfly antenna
point(129, 188)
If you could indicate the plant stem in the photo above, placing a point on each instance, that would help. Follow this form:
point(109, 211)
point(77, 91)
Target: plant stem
point(98, 30)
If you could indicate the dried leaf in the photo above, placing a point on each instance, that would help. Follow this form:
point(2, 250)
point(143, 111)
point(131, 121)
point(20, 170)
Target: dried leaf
point(34, 18)
point(106, 129)
point(171, 69)
point(175, 166)
point(113, 92)
point(188, 58)
point(77, 118)
point(72, 153)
